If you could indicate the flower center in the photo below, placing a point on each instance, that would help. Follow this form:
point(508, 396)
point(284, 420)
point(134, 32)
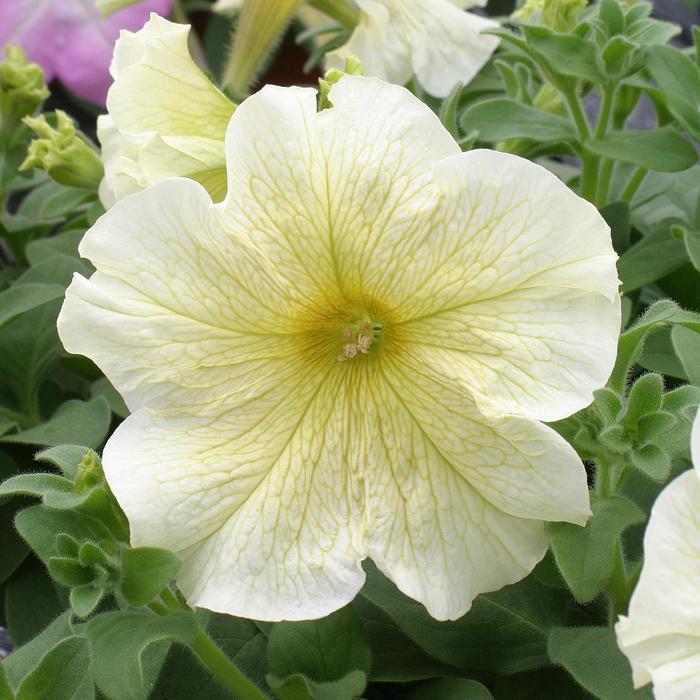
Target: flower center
point(359, 339)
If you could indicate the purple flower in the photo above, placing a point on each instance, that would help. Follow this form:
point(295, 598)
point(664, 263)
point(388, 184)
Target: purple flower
point(70, 40)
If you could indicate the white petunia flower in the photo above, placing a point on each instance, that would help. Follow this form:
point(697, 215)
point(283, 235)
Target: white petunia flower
point(165, 117)
point(396, 39)
point(661, 633)
point(432, 39)
point(349, 357)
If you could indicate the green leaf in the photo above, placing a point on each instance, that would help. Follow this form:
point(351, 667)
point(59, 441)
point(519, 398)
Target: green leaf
point(32, 601)
point(664, 149)
point(21, 298)
point(500, 118)
point(84, 599)
point(63, 674)
point(65, 457)
point(652, 258)
point(56, 270)
point(85, 422)
point(448, 111)
point(592, 657)
point(653, 461)
point(299, 687)
point(617, 54)
point(659, 316)
point(652, 31)
point(608, 403)
point(5, 690)
point(40, 525)
point(449, 689)
point(395, 657)
point(610, 13)
point(65, 243)
point(687, 346)
point(585, 555)
point(691, 239)
point(654, 425)
point(145, 571)
point(568, 54)
point(102, 387)
point(504, 632)
point(616, 439)
point(24, 660)
point(679, 79)
point(118, 643)
point(645, 397)
point(40, 485)
point(13, 550)
point(618, 216)
point(69, 572)
point(325, 650)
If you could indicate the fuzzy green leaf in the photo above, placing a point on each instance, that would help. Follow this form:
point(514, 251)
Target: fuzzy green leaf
point(585, 555)
point(145, 571)
point(85, 422)
point(119, 641)
point(663, 150)
point(592, 657)
point(500, 118)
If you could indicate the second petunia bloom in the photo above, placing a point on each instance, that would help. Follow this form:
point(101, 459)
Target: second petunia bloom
point(661, 633)
point(348, 357)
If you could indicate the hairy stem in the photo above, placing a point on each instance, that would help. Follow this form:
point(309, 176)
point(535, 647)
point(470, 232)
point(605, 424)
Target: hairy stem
point(224, 670)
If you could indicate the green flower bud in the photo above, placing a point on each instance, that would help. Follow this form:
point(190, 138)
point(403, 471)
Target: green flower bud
point(62, 153)
point(560, 15)
point(22, 88)
point(353, 66)
point(89, 473)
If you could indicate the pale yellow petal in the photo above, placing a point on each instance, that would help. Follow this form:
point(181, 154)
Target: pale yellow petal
point(167, 117)
point(661, 632)
point(180, 302)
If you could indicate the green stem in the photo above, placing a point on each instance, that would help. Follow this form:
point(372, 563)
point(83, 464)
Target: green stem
point(619, 588)
point(589, 162)
point(223, 669)
point(605, 175)
point(213, 658)
point(339, 10)
point(604, 179)
point(633, 184)
point(171, 600)
point(605, 112)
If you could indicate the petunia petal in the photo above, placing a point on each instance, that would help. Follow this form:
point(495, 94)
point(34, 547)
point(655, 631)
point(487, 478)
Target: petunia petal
point(661, 633)
point(169, 117)
point(337, 184)
point(258, 501)
point(434, 40)
point(512, 289)
point(455, 503)
point(192, 308)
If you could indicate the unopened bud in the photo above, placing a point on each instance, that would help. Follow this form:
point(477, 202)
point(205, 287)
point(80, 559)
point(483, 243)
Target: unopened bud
point(62, 153)
point(560, 15)
point(22, 87)
point(353, 66)
point(89, 473)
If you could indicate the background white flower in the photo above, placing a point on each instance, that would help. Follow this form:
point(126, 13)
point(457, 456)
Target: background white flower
point(661, 633)
point(396, 39)
point(432, 39)
point(468, 295)
point(165, 117)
